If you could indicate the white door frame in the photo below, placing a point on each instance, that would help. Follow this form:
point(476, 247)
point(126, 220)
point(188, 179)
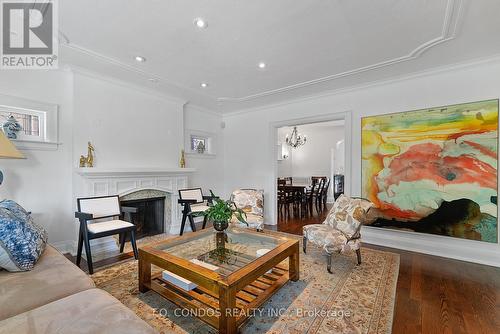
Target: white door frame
point(272, 217)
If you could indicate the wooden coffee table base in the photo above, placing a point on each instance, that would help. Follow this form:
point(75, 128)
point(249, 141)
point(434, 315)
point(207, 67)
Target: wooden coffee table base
point(222, 302)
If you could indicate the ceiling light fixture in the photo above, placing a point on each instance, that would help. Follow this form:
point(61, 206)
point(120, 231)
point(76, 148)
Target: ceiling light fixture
point(200, 23)
point(295, 139)
point(204, 85)
point(140, 59)
point(262, 65)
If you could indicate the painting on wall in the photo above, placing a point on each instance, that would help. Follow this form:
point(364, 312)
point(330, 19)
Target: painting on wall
point(434, 170)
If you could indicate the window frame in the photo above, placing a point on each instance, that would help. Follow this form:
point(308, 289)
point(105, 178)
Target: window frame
point(42, 118)
point(48, 118)
point(210, 143)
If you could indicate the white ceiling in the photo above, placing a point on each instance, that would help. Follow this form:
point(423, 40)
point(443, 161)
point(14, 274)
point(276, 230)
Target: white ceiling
point(310, 46)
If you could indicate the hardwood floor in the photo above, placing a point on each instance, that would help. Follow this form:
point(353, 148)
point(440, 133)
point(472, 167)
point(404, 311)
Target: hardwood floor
point(434, 294)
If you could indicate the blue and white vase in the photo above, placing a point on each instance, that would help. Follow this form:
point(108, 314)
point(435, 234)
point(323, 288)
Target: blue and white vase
point(11, 127)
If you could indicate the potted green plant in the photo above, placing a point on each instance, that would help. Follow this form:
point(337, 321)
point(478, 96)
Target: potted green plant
point(220, 213)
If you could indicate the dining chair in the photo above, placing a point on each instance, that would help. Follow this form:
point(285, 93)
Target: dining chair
point(100, 217)
point(318, 184)
point(324, 193)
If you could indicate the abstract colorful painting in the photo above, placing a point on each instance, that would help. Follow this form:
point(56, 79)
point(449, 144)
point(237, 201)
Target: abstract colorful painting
point(434, 170)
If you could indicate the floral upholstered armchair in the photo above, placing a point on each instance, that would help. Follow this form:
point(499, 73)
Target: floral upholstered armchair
point(251, 201)
point(340, 232)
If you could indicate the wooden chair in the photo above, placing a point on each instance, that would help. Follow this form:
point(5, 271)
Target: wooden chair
point(193, 200)
point(102, 208)
point(324, 193)
point(317, 189)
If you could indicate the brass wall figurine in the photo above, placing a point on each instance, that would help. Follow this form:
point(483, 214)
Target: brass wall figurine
point(88, 161)
point(182, 162)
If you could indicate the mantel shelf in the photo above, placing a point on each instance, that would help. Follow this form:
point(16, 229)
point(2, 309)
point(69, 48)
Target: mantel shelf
point(124, 172)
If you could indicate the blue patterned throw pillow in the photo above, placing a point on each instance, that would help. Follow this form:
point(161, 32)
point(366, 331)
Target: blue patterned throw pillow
point(21, 240)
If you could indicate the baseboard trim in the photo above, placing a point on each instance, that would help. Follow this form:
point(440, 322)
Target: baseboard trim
point(66, 246)
point(100, 248)
point(459, 249)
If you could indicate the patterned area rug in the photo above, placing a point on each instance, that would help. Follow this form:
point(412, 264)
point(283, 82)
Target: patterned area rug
point(354, 299)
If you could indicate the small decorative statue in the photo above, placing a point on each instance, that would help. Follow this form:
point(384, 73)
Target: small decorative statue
point(182, 162)
point(83, 161)
point(88, 161)
point(90, 155)
point(200, 148)
point(11, 127)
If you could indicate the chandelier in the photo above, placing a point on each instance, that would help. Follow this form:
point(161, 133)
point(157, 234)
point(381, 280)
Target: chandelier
point(295, 139)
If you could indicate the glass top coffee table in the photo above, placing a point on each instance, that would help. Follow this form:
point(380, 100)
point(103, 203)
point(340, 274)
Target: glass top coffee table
point(220, 277)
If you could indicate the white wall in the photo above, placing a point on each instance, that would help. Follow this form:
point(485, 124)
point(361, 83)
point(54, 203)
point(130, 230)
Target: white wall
point(209, 169)
point(42, 182)
point(313, 158)
point(128, 127)
point(285, 166)
point(249, 141)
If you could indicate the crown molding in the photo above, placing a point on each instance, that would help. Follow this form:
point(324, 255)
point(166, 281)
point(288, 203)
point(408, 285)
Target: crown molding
point(195, 107)
point(127, 67)
point(401, 78)
point(127, 84)
point(452, 17)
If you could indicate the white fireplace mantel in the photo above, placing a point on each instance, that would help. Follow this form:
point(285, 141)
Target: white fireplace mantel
point(123, 181)
point(96, 173)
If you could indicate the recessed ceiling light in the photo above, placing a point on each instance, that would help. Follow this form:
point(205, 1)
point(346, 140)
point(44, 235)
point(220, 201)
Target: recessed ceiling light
point(200, 23)
point(140, 59)
point(204, 85)
point(262, 65)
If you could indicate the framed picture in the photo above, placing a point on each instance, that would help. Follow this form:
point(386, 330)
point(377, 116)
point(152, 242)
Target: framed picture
point(434, 170)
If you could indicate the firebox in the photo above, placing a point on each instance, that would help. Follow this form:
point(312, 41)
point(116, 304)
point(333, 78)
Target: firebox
point(150, 216)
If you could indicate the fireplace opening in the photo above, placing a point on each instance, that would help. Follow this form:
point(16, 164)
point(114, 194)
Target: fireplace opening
point(150, 216)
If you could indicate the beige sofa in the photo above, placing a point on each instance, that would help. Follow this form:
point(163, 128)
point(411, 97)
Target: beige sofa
point(57, 297)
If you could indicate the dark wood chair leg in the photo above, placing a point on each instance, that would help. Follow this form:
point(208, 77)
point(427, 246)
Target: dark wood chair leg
point(191, 222)
point(79, 251)
point(122, 241)
point(204, 222)
point(134, 245)
point(88, 253)
point(358, 253)
point(184, 216)
point(329, 263)
point(304, 244)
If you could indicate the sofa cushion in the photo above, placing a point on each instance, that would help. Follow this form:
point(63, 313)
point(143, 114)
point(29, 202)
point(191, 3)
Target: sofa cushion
point(249, 200)
point(254, 221)
point(52, 278)
point(330, 239)
point(21, 240)
point(90, 311)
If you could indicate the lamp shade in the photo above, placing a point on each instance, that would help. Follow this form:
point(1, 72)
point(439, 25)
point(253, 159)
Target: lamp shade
point(7, 149)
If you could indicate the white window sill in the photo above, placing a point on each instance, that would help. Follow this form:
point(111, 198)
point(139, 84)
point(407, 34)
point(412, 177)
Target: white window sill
point(34, 145)
point(200, 155)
